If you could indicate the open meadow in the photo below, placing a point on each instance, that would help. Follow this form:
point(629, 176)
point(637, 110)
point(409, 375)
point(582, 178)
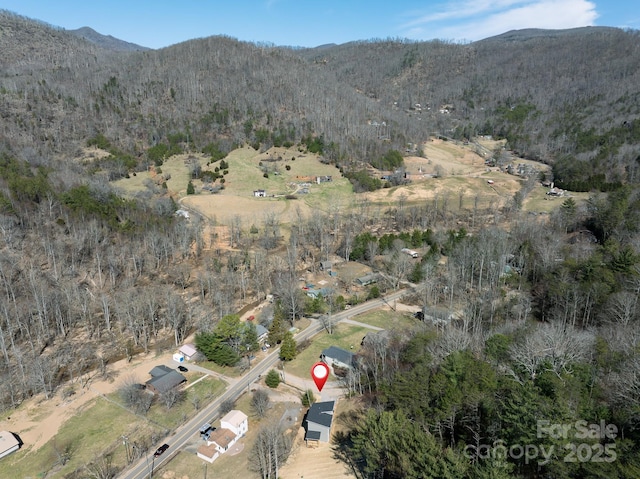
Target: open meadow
point(448, 171)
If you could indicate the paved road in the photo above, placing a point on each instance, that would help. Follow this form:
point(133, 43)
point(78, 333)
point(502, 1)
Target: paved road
point(144, 467)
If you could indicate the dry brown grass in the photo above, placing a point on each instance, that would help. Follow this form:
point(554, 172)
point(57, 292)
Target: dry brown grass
point(462, 182)
point(322, 462)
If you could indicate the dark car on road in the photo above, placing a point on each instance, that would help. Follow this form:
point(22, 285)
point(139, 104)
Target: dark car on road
point(182, 368)
point(161, 450)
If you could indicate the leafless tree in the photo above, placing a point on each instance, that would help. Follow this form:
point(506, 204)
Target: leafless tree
point(102, 468)
point(260, 402)
point(134, 396)
point(270, 451)
point(172, 397)
point(555, 345)
point(623, 307)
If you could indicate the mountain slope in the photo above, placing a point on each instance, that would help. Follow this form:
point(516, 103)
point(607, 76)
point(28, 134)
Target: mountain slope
point(106, 41)
point(545, 91)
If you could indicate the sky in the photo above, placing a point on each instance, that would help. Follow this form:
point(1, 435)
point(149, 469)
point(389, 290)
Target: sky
point(309, 23)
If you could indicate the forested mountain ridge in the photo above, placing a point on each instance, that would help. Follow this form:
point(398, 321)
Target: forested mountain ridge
point(557, 96)
point(106, 41)
point(526, 317)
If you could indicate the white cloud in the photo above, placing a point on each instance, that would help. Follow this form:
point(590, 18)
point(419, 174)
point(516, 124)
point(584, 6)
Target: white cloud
point(474, 20)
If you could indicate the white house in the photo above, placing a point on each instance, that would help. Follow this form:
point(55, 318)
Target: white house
point(259, 193)
point(233, 426)
point(236, 421)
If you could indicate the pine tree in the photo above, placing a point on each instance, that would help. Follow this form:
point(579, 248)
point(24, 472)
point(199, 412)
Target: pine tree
point(273, 379)
point(288, 349)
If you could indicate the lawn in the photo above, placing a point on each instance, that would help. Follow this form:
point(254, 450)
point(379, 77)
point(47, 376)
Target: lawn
point(173, 167)
point(202, 392)
point(345, 336)
point(538, 201)
point(187, 464)
point(98, 429)
point(229, 371)
point(86, 436)
point(387, 319)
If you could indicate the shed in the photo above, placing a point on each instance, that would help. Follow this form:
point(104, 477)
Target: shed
point(8, 443)
point(188, 351)
point(326, 265)
point(178, 357)
point(367, 279)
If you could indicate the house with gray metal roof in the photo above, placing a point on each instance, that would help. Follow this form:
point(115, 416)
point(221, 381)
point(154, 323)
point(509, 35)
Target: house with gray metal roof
point(164, 379)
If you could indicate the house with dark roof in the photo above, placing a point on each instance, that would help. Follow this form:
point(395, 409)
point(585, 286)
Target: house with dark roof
point(164, 379)
point(322, 292)
point(318, 423)
point(334, 356)
point(263, 333)
point(367, 279)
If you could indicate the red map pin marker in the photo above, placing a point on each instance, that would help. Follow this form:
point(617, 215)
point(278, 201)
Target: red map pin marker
point(320, 374)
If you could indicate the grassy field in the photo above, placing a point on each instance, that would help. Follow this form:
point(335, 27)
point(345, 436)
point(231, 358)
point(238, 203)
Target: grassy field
point(345, 336)
point(387, 319)
point(85, 436)
point(538, 200)
point(98, 429)
point(462, 184)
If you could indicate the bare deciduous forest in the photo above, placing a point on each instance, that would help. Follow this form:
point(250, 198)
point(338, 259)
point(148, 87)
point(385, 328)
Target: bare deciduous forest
point(523, 317)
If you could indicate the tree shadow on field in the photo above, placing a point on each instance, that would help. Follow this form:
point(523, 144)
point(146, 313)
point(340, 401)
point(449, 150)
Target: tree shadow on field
point(341, 451)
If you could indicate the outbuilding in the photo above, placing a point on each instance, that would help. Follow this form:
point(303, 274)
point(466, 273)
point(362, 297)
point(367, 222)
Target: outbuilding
point(8, 443)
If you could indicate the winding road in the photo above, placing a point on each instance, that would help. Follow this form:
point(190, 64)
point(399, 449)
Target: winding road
point(145, 467)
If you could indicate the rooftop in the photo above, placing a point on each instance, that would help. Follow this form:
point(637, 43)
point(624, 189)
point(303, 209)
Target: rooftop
point(235, 418)
point(222, 437)
point(339, 354)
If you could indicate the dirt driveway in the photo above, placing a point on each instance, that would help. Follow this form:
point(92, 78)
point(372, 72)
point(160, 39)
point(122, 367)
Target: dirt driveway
point(314, 462)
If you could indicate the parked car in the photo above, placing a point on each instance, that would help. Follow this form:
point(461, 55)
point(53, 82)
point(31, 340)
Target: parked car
point(161, 450)
point(182, 368)
point(251, 318)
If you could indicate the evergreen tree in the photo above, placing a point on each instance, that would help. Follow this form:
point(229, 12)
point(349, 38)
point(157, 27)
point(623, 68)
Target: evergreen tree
point(278, 326)
point(288, 348)
point(272, 379)
point(250, 337)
